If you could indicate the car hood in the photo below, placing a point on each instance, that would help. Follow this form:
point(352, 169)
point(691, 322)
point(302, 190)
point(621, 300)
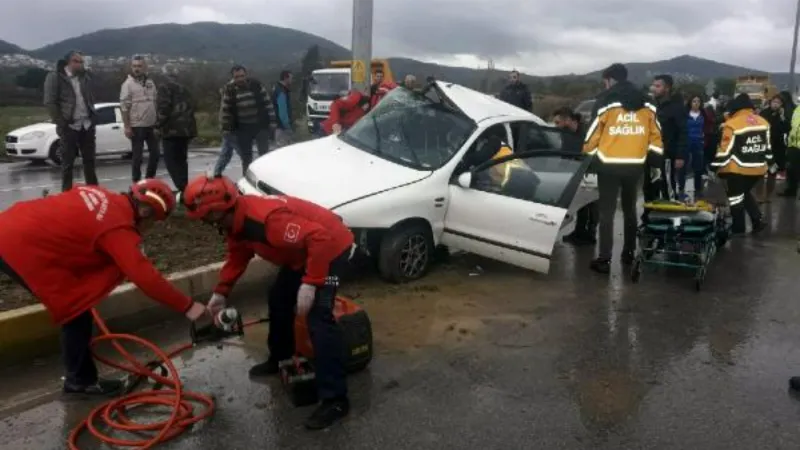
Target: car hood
point(329, 172)
point(43, 126)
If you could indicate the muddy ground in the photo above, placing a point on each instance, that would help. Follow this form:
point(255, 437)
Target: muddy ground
point(177, 244)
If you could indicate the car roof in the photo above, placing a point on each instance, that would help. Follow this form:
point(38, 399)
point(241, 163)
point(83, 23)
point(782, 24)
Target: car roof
point(479, 106)
point(106, 104)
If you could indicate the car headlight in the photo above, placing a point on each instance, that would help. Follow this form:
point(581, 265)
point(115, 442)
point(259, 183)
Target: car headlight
point(32, 136)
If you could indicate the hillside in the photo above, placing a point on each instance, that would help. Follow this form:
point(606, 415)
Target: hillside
point(246, 43)
point(273, 47)
point(9, 48)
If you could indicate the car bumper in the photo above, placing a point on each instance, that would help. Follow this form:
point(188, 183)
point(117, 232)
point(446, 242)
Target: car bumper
point(26, 150)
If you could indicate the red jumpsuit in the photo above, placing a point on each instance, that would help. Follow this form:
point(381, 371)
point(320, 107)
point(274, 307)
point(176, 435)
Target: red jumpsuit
point(310, 244)
point(380, 91)
point(73, 249)
point(346, 111)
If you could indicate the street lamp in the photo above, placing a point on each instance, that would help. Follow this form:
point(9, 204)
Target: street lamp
point(794, 52)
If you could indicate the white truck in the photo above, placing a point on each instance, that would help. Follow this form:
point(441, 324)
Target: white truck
point(325, 86)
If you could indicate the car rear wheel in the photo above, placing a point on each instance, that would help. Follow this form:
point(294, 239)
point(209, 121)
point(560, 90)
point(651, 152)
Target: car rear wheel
point(56, 153)
point(406, 253)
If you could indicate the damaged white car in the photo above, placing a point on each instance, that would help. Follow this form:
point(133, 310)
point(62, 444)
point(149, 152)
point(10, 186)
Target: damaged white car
point(421, 170)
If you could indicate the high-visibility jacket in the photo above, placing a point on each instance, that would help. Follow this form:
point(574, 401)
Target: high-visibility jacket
point(794, 133)
point(501, 173)
point(745, 147)
point(625, 130)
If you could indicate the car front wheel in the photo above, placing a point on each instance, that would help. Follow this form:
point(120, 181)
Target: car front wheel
point(55, 153)
point(406, 253)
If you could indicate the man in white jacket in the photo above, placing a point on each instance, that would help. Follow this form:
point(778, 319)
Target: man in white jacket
point(138, 104)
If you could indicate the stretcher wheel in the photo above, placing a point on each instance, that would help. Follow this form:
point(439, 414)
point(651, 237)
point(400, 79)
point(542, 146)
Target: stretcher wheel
point(636, 270)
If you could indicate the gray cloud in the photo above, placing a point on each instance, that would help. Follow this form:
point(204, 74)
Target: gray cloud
point(538, 36)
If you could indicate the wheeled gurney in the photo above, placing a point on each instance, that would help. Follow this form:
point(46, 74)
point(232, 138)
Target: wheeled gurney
point(677, 234)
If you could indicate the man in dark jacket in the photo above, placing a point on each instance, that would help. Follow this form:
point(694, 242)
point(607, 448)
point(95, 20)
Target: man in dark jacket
point(586, 218)
point(70, 104)
point(248, 113)
point(282, 103)
point(672, 118)
point(176, 124)
point(517, 93)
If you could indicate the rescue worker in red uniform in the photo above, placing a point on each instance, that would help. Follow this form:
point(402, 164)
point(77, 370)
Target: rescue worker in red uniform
point(345, 112)
point(379, 89)
point(71, 250)
point(311, 245)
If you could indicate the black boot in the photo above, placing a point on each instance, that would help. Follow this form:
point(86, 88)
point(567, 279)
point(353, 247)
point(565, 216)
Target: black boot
point(102, 388)
point(627, 258)
point(265, 369)
point(327, 413)
point(601, 265)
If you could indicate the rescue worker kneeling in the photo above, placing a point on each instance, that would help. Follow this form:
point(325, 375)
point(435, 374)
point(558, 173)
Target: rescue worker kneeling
point(311, 245)
point(71, 250)
point(624, 136)
point(742, 158)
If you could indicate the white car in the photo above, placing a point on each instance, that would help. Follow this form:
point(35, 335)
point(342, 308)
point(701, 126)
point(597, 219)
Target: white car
point(39, 142)
point(416, 172)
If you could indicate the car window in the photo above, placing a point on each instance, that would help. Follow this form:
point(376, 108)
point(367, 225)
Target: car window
point(410, 129)
point(542, 138)
point(540, 179)
point(106, 116)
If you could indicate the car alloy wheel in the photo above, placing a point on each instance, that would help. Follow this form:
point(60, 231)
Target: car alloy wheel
point(414, 256)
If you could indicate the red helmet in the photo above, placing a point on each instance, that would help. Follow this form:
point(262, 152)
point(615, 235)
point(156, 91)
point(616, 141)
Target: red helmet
point(205, 194)
point(155, 193)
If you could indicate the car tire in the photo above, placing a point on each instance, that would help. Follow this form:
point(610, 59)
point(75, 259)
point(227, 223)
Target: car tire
point(55, 153)
point(406, 253)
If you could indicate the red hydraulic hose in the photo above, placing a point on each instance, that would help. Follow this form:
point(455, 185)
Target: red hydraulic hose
point(113, 415)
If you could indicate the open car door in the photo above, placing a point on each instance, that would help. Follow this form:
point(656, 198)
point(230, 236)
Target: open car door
point(512, 208)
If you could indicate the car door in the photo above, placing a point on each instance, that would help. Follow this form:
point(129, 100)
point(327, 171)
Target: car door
point(512, 208)
point(107, 130)
point(535, 137)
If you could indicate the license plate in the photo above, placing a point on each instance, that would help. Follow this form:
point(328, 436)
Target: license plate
point(10, 146)
point(323, 107)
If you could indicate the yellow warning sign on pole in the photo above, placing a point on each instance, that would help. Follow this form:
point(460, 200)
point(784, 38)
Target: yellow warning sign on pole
point(359, 72)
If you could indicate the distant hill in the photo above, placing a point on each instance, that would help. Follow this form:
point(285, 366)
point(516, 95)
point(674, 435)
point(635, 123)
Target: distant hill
point(9, 48)
point(273, 47)
point(246, 43)
point(689, 68)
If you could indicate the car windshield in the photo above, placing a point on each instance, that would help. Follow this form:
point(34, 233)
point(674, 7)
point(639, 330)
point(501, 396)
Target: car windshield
point(329, 84)
point(411, 129)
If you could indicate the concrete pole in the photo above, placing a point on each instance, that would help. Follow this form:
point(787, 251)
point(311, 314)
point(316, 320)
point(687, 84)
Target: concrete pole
point(794, 53)
point(360, 70)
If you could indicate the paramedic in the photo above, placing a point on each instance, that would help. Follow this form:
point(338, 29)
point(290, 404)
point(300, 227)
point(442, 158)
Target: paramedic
point(73, 266)
point(625, 136)
point(742, 159)
point(311, 245)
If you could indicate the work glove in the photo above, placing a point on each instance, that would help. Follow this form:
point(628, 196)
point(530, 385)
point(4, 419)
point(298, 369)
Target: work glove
point(655, 175)
point(197, 311)
point(216, 303)
point(305, 298)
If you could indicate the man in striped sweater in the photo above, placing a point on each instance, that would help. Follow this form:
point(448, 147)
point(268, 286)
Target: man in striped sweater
point(247, 113)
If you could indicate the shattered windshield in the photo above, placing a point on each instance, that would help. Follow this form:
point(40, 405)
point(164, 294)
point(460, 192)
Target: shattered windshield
point(411, 129)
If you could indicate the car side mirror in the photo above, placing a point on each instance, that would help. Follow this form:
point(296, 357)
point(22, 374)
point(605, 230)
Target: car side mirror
point(465, 180)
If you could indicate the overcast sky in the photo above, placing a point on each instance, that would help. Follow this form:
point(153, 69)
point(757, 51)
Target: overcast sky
point(536, 36)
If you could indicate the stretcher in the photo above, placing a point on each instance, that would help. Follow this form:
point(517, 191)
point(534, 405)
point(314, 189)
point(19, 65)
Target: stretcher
point(683, 235)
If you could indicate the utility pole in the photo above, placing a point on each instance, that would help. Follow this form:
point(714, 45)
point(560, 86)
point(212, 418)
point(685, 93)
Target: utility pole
point(361, 68)
point(794, 52)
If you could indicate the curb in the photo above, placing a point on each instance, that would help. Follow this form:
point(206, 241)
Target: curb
point(28, 333)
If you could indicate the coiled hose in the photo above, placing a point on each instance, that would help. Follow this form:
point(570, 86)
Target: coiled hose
point(167, 393)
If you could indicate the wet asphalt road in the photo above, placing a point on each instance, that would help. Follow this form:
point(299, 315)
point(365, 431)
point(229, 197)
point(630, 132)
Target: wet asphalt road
point(481, 355)
point(24, 181)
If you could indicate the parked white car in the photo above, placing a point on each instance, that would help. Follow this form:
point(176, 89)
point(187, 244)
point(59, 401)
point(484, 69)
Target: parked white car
point(416, 172)
point(39, 142)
